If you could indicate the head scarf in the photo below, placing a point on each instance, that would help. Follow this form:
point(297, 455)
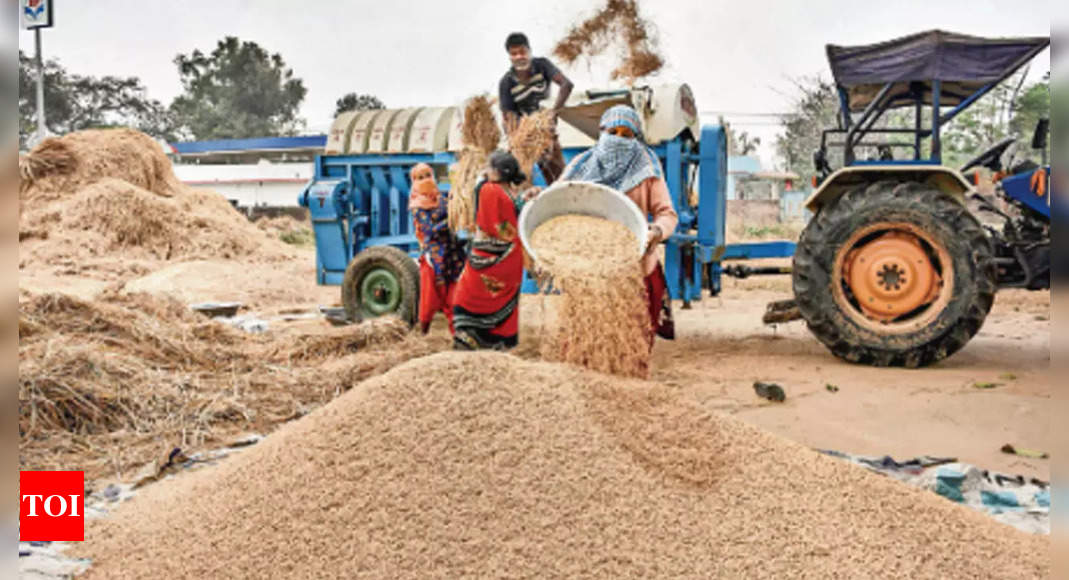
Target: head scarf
point(424, 193)
point(617, 162)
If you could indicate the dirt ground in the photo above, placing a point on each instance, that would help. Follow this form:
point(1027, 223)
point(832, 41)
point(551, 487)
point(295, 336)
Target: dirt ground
point(722, 348)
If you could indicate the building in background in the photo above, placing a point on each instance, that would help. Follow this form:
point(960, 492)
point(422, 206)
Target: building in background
point(253, 174)
point(748, 182)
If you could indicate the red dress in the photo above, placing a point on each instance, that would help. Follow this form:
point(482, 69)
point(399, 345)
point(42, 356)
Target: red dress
point(486, 299)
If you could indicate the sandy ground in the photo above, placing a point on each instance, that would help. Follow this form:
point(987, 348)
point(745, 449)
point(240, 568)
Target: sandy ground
point(722, 348)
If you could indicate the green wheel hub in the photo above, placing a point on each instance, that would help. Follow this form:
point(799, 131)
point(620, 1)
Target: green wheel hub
point(380, 291)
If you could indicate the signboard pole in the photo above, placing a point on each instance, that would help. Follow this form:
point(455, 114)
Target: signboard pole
point(40, 86)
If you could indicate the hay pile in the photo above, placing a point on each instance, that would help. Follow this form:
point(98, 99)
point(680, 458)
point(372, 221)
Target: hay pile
point(288, 229)
point(464, 465)
point(103, 385)
point(531, 139)
point(618, 19)
point(93, 196)
point(282, 224)
point(601, 320)
point(481, 136)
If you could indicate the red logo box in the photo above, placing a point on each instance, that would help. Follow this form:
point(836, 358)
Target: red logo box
point(51, 506)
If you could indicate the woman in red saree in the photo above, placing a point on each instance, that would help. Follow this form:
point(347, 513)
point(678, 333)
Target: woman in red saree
point(486, 300)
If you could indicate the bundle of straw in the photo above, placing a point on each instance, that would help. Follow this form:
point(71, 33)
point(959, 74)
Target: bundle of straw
point(470, 164)
point(617, 18)
point(531, 139)
point(51, 157)
point(480, 135)
point(480, 129)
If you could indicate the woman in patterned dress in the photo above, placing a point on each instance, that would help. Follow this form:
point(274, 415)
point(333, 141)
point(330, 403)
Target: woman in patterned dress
point(441, 255)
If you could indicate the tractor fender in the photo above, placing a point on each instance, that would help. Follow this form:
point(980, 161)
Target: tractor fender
point(943, 178)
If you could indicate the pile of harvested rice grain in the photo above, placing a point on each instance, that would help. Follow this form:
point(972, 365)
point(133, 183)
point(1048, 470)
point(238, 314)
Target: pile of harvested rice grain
point(463, 465)
point(601, 320)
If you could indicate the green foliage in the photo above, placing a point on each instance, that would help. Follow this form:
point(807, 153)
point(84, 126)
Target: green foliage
point(237, 91)
point(740, 143)
point(814, 109)
point(1009, 109)
point(785, 231)
point(299, 237)
point(75, 102)
point(355, 102)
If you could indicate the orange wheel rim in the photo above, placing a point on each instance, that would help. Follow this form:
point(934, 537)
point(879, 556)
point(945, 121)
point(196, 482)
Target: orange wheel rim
point(892, 277)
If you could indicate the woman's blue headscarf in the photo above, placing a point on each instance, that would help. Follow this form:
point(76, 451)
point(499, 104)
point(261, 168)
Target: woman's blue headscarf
point(617, 162)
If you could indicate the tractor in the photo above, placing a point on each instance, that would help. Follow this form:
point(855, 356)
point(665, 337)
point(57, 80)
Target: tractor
point(894, 269)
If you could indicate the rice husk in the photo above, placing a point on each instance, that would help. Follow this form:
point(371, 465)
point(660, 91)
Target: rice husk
point(463, 465)
point(616, 19)
point(601, 320)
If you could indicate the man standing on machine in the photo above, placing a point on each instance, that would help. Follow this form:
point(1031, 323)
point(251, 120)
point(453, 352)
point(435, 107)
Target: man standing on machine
point(522, 90)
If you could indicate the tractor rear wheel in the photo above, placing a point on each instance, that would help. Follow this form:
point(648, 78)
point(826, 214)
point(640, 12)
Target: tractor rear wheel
point(894, 274)
point(379, 281)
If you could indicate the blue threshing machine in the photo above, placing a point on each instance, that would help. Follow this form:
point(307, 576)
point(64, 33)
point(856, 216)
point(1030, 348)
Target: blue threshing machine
point(358, 199)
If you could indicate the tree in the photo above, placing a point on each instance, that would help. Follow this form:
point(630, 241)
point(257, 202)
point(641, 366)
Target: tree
point(237, 91)
point(1005, 110)
point(1030, 107)
point(355, 102)
point(743, 144)
point(814, 109)
point(76, 102)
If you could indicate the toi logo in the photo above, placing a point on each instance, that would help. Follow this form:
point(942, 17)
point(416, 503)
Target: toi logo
point(51, 506)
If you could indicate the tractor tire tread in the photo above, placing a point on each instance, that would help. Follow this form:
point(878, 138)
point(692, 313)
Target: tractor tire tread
point(915, 202)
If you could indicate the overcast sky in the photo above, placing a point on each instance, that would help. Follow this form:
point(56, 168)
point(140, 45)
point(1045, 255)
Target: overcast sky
point(737, 56)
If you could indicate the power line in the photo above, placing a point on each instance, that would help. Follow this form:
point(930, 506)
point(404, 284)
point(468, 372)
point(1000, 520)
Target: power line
point(745, 114)
point(756, 123)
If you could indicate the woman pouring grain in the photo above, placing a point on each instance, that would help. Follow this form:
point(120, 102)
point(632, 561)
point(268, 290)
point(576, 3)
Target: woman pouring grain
point(621, 160)
point(486, 300)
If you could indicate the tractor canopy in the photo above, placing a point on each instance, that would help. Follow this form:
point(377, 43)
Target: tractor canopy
point(905, 68)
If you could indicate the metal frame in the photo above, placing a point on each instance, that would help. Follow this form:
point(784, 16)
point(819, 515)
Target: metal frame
point(360, 201)
point(857, 129)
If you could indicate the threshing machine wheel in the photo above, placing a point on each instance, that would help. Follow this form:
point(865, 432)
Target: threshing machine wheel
point(381, 280)
point(894, 274)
